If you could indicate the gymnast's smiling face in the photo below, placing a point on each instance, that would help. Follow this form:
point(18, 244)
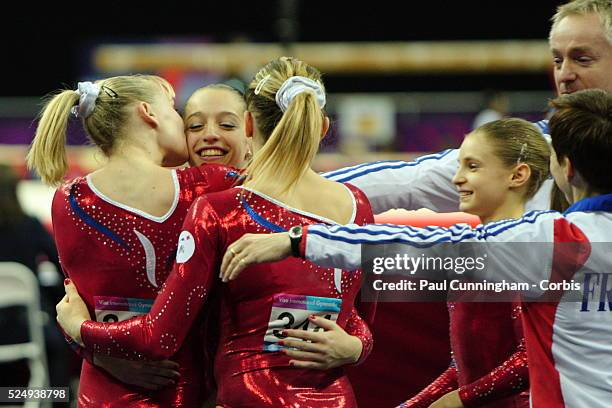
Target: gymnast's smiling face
point(214, 127)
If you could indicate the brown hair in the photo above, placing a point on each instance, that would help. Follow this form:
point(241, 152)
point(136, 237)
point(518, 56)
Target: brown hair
point(581, 130)
point(291, 138)
point(104, 125)
point(221, 86)
point(519, 141)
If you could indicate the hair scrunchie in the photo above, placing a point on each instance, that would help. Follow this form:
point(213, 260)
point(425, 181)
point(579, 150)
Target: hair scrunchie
point(88, 93)
point(296, 85)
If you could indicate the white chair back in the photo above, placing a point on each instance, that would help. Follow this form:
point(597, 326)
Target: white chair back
point(19, 287)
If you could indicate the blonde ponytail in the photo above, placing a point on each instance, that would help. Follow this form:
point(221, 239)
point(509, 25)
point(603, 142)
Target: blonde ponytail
point(47, 155)
point(291, 138)
point(104, 124)
point(289, 150)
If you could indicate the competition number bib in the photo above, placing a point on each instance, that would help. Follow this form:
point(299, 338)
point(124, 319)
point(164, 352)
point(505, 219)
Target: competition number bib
point(292, 311)
point(112, 309)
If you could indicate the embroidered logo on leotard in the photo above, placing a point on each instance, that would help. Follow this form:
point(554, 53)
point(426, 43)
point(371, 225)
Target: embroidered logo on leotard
point(186, 247)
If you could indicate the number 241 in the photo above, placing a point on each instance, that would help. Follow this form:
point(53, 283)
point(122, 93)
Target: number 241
point(303, 325)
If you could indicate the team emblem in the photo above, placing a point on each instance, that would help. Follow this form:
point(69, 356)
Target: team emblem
point(186, 247)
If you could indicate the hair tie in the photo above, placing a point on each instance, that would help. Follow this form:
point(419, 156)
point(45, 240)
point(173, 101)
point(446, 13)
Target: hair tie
point(296, 85)
point(88, 93)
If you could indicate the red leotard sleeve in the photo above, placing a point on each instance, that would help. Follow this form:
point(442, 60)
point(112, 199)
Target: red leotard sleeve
point(510, 378)
point(355, 326)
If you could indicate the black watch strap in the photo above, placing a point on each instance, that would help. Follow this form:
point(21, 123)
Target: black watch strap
point(295, 236)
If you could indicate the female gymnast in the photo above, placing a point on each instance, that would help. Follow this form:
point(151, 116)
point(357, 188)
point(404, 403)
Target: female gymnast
point(116, 228)
point(501, 165)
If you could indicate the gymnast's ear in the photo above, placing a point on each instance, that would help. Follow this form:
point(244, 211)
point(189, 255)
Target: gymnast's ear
point(248, 124)
point(520, 175)
point(325, 127)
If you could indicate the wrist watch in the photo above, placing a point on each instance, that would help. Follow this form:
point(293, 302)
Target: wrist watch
point(295, 236)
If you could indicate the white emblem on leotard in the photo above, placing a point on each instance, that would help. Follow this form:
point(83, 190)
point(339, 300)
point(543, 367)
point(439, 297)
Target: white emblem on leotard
point(186, 247)
point(338, 279)
point(149, 256)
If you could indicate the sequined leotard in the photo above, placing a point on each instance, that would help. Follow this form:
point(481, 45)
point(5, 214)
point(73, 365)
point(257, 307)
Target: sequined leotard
point(247, 374)
point(118, 257)
point(489, 364)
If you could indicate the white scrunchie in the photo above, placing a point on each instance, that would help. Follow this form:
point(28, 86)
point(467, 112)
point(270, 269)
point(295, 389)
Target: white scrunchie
point(88, 92)
point(296, 85)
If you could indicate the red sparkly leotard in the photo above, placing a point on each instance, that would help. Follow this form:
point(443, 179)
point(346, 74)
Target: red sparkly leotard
point(118, 257)
point(254, 308)
point(489, 364)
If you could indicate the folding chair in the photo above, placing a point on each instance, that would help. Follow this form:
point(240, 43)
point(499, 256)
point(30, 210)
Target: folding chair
point(19, 287)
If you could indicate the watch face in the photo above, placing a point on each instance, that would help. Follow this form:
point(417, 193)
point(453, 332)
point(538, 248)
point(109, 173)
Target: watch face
point(295, 232)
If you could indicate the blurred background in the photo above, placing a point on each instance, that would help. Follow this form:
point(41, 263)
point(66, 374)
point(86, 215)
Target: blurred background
point(403, 80)
point(400, 82)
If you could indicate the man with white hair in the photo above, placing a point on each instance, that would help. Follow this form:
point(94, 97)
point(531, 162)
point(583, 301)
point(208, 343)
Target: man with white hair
point(581, 45)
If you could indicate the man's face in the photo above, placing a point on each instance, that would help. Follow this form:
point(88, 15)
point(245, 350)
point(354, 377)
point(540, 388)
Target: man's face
point(582, 54)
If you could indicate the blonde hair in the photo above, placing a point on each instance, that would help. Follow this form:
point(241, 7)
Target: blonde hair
point(603, 8)
point(104, 126)
point(517, 141)
point(291, 138)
